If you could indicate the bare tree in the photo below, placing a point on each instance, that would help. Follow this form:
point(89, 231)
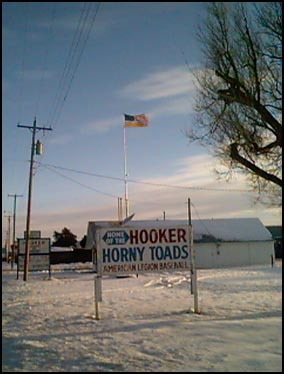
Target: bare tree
point(239, 101)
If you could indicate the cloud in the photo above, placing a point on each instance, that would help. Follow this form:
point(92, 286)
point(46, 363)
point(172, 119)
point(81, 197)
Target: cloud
point(100, 126)
point(174, 87)
point(61, 139)
point(160, 85)
point(195, 179)
point(171, 91)
point(70, 19)
point(75, 218)
point(179, 106)
point(193, 171)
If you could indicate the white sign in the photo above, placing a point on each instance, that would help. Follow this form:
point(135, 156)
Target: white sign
point(125, 250)
point(39, 254)
point(36, 246)
point(33, 234)
point(38, 263)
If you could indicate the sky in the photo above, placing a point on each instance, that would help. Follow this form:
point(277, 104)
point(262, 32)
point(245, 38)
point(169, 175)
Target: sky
point(77, 68)
point(146, 324)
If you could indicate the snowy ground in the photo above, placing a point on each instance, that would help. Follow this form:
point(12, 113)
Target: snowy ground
point(146, 323)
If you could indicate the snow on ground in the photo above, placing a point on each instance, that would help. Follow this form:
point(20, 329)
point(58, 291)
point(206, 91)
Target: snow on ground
point(146, 323)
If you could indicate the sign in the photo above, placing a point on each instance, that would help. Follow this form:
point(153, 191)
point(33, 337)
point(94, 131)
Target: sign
point(36, 263)
point(139, 250)
point(36, 246)
point(39, 254)
point(34, 234)
point(112, 237)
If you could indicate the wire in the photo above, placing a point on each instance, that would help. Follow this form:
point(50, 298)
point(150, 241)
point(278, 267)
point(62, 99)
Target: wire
point(23, 65)
point(66, 68)
point(117, 197)
point(75, 53)
point(76, 49)
point(49, 167)
point(81, 184)
point(200, 220)
point(82, 49)
point(45, 58)
point(143, 182)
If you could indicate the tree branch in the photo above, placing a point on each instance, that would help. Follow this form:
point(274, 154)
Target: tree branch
point(237, 93)
point(234, 153)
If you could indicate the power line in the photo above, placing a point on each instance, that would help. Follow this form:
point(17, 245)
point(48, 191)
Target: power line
point(117, 197)
point(79, 183)
point(82, 33)
point(94, 189)
point(80, 38)
point(200, 220)
point(146, 183)
point(23, 60)
point(121, 179)
point(66, 69)
point(45, 58)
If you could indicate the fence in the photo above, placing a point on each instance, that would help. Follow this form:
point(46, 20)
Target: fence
point(69, 257)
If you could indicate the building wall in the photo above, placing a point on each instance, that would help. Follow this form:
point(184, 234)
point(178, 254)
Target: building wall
point(229, 254)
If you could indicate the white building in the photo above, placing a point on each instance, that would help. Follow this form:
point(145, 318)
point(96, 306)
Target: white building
point(232, 242)
point(217, 242)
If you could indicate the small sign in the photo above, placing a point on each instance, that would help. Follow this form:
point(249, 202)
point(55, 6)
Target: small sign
point(36, 245)
point(36, 263)
point(39, 255)
point(34, 234)
point(113, 237)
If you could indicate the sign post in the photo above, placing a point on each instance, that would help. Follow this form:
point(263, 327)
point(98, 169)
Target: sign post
point(96, 295)
point(193, 272)
point(98, 276)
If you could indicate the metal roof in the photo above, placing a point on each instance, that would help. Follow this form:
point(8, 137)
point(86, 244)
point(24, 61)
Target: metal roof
point(204, 230)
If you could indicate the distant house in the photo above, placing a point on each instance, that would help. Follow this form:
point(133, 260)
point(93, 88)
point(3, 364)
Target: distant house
point(217, 242)
point(276, 232)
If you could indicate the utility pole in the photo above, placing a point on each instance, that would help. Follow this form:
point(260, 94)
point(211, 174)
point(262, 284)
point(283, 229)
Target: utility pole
point(14, 229)
point(34, 128)
point(8, 240)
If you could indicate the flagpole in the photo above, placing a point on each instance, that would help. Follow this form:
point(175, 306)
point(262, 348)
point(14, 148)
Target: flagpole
point(125, 176)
